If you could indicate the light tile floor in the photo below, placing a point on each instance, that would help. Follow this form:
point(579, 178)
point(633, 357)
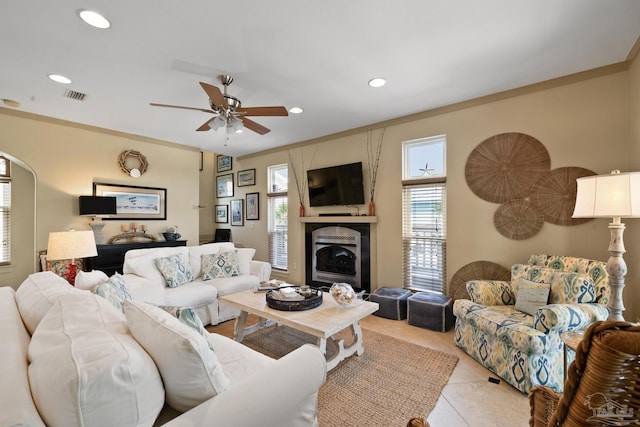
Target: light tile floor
point(468, 399)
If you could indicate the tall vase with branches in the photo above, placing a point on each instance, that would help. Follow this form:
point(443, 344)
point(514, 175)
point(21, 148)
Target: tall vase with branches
point(301, 184)
point(373, 157)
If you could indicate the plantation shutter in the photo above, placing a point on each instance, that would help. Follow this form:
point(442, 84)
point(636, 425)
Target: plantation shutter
point(424, 233)
point(278, 231)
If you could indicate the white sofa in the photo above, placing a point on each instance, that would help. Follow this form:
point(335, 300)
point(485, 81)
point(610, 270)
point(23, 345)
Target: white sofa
point(146, 283)
point(70, 358)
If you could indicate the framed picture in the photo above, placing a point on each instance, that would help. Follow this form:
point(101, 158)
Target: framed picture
point(224, 163)
point(246, 177)
point(253, 206)
point(133, 202)
point(224, 185)
point(237, 211)
point(222, 214)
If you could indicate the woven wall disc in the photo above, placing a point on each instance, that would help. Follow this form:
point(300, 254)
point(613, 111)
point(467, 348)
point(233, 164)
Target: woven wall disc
point(555, 194)
point(506, 166)
point(478, 270)
point(518, 219)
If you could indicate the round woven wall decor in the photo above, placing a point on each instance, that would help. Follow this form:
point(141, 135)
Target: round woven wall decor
point(505, 167)
point(555, 194)
point(518, 219)
point(478, 270)
point(136, 156)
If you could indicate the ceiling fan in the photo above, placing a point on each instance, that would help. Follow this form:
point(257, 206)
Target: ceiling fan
point(229, 111)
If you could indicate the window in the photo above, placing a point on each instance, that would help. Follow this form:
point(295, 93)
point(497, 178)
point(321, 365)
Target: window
point(5, 211)
point(424, 228)
point(277, 201)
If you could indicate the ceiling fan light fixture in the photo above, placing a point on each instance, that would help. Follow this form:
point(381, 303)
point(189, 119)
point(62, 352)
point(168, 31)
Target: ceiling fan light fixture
point(296, 110)
point(94, 19)
point(377, 82)
point(236, 124)
point(217, 122)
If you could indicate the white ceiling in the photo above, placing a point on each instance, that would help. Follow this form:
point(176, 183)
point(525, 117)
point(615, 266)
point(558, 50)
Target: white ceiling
point(318, 55)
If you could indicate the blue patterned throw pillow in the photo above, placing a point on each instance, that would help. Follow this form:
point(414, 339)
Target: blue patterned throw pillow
point(224, 264)
point(114, 290)
point(174, 270)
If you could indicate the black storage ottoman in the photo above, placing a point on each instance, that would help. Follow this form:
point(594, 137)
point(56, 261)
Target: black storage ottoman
point(392, 302)
point(431, 311)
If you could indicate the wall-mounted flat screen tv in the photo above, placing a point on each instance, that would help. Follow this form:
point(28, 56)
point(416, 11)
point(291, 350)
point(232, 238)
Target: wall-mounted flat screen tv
point(336, 185)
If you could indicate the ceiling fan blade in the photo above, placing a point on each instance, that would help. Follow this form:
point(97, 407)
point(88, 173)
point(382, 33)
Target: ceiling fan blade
point(258, 128)
point(215, 95)
point(184, 108)
point(263, 111)
point(204, 127)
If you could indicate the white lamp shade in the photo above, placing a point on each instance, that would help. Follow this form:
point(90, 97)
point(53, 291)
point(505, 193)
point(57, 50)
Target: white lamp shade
point(71, 244)
point(608, 196)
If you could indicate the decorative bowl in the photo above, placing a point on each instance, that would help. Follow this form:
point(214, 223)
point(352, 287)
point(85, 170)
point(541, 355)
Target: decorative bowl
point(343, 293)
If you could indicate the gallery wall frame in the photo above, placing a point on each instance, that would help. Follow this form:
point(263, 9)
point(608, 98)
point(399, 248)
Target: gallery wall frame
point(246, 177)
point(134, 202)
point(224, 163)
point(237, 212)
point(253, 206)
point(224, 185)
point(222, 214)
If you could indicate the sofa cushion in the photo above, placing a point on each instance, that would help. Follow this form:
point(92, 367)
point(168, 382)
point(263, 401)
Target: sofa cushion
point(174, 269)
point(114, 290)
point(196, 252)
point(531, 296)
point(18, 408)
point(237, 360)
point(566, 287)
point(87, 370)
point(38, 293)
point(223, 264)
point(231, 285)
point(189, 368)
point(193, 294)
point(140, 261)
point(87, 280)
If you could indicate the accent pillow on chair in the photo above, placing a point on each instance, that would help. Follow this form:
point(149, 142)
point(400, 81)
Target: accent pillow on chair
point(531, 296)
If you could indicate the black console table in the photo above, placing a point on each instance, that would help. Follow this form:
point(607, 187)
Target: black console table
point(111, 257)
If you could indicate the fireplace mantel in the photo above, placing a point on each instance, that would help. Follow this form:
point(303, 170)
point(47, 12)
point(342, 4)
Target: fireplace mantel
point(338, 219)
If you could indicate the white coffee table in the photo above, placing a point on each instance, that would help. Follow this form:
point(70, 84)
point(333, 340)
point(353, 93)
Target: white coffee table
point(322, 322)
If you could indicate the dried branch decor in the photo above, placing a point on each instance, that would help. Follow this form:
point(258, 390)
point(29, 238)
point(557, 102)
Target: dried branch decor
point(301, 186)
point(373, 157)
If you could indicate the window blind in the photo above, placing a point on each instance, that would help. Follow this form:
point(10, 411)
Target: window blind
point(5, 221)
point(278, 231)
point(424, 233)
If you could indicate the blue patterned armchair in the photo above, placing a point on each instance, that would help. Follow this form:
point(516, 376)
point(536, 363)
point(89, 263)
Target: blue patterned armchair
point(526, 350)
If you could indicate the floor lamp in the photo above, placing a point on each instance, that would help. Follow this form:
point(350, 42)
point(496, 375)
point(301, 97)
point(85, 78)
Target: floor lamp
point(71, 245)
point(611, 196)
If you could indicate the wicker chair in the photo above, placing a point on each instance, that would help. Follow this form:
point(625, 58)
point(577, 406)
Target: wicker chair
point(603, 383)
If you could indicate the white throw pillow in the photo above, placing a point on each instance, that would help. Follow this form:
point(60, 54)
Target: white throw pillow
point(189, 368)
point(38, 293)
point(245, 255)
point(87, 280)
point(531, 296)
point(87, 370)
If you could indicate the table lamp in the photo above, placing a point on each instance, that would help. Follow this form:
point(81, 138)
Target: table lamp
point(611, 196)
point(71, 245)
point(97, 207)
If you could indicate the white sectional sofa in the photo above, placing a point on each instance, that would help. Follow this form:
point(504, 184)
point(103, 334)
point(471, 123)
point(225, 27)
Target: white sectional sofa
point(71, 358)
point(146, 283)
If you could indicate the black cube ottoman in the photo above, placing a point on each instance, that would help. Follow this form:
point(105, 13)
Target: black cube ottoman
point(431, 311)
point(392, 302)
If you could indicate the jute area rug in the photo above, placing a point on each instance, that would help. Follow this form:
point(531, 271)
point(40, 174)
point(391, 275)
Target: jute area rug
point(391, 382)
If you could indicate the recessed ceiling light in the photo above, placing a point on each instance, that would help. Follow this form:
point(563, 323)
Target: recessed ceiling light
point(295, 110)
point(94, 19)
point(60, 79)
point(377, 82)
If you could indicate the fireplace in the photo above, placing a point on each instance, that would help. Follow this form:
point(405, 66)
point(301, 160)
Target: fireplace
point(338, 252)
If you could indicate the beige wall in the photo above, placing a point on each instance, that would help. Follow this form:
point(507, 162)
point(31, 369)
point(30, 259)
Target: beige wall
point(585, 123)
point(632, 234)
point(68, 159)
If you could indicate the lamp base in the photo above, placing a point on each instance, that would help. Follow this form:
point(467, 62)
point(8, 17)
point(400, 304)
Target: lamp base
point(97, 232)
point(617, 269)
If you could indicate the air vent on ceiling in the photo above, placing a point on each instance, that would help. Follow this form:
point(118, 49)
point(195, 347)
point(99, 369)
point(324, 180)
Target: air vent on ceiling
point(78, 96)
